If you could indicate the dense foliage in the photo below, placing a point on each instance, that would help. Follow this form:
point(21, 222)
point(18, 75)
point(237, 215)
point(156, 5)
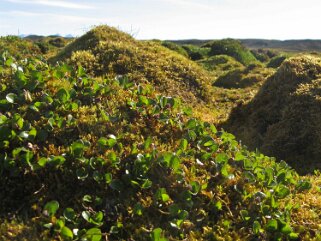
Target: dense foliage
point(19, 47)
point(276, 61)
point(133, 165)
point(108, 148)
point(195, 52)
point(232, 48)
point(175, 47)
point(243, 77)
point(263, 55)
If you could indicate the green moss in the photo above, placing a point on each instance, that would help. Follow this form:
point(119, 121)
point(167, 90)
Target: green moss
point(219, 64)
point(58, 42)
point(116, 53)
point(242, 77)
point(86, 157)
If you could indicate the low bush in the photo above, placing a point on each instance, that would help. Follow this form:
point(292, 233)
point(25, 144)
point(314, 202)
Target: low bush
point(232, 48)
point(276, 61)
point(175, 47)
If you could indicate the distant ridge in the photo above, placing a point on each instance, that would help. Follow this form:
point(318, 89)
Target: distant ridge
point(37, 37)
point(289, 45)
point(286, 45)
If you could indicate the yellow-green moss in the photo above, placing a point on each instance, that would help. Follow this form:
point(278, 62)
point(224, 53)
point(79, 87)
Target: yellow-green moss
point(283, 119)
point(106, 51)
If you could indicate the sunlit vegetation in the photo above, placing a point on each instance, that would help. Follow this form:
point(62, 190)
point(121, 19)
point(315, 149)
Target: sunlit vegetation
point(196, 52)
point(175, 47)
point(263, 55)
point(283, 120)
point(19, 47)
point(276, 61)
point(118, 139)
point(106, 51)
point(219, 64)
point(242, 77)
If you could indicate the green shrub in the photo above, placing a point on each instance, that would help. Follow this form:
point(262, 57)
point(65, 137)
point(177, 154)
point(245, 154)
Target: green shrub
point(276, 61)
point(175, 47)
point(43, 46)
point(263, 55)
point(58, 42)
point(194, 52)
point(232, 48)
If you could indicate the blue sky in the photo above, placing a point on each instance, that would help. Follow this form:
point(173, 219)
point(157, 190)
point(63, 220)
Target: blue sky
point(166, 19)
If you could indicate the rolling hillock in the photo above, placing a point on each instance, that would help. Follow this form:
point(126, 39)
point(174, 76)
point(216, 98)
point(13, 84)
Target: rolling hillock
point(106, 51)
point(283, 120)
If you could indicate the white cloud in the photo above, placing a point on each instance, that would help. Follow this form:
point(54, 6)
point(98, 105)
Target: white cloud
point(57, 17)
point(53, 3)
point(172, 19)
point(192, 5)
point(75, 25)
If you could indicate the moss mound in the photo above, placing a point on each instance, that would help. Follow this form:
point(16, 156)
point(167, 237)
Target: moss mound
point(105, 50)
point(283, 120)
point(242, 77)
point(233, 48)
